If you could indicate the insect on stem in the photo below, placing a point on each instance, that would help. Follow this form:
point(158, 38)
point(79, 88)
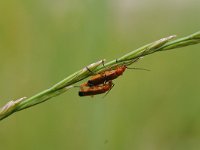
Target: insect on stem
point(95, 90)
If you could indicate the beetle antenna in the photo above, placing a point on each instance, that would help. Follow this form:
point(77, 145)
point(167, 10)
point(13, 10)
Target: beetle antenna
point(138, 68)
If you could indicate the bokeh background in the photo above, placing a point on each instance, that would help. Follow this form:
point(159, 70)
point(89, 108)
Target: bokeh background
point(43, 41)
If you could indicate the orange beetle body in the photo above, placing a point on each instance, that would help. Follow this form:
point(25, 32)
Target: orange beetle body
point(94, 90)
point(106, 76)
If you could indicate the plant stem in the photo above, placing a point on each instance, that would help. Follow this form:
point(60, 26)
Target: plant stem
point(64, 85)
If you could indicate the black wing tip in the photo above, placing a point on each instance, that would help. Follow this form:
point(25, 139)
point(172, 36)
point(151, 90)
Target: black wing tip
point(80, 93)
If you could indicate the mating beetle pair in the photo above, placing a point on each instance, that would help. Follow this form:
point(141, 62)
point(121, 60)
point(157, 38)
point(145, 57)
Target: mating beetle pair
point(101, 83)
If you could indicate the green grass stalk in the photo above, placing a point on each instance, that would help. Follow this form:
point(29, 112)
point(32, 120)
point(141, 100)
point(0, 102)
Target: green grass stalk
point(160, 45)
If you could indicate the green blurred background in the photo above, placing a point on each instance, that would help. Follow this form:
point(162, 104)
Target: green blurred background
point(43, 41)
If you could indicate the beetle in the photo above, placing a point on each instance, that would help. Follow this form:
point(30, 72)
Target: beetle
point(105, 76)
point(108, 75)
point(94, 90)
